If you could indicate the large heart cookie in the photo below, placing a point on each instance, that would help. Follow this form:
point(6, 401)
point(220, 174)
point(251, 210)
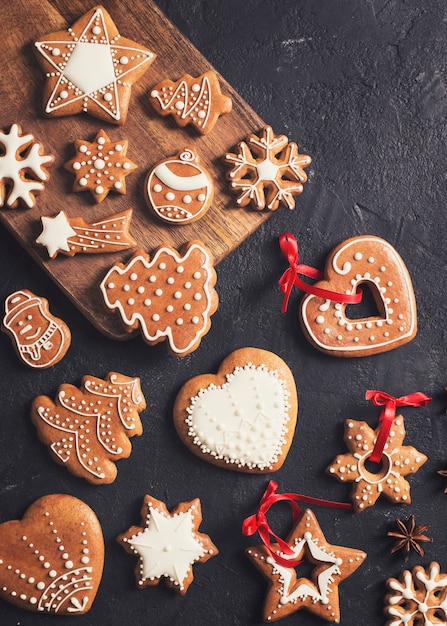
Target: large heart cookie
point(51, 561)
point(243, 418)
point(353, 263)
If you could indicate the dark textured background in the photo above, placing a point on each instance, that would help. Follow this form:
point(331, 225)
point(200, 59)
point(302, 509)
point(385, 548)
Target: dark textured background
point(361, 87)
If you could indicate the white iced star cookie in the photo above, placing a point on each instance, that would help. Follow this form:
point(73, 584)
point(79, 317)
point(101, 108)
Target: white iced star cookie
point(90, 68)
point(168, 544)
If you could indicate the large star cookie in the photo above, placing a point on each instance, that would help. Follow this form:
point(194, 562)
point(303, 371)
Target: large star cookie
point(90, 68)
point(288, 592)
point(168, 544)
point(397, 461)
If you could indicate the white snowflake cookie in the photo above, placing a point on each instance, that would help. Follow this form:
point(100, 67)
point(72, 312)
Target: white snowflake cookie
point(267, 171)
point(418, 596)
point(23, 168)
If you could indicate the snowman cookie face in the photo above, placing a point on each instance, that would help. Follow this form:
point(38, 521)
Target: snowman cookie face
point(178, 190)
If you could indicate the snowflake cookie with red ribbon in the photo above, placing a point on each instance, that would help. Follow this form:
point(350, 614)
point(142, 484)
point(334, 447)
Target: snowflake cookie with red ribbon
point(418, 596)
point(267, 171)
point(23, 168)
point(168, 544)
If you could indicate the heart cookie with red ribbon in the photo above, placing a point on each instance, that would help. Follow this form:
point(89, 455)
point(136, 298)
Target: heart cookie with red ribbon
point(51, 561)
point(364, 260)
point(243, 418)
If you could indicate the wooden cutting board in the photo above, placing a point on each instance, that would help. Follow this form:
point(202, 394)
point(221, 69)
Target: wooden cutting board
point(150, 136)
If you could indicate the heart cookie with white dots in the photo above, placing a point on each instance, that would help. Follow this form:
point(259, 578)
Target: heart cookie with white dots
point(51, 561)
point(355, 262)
point(242, 418)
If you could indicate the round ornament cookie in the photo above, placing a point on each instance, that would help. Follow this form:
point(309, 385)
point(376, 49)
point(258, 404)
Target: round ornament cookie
point(51, 560)
point(179, 190)
point(355, 262)
point(242, 418)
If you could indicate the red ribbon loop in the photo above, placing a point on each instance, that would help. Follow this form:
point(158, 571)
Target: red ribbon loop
point(258, 521)
point(289, 248)
point(388, 413)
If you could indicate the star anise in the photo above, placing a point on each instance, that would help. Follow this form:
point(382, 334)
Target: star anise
point(409, 536)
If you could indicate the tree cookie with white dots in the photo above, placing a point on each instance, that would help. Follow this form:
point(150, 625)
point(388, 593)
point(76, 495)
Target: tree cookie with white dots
point(168, 544)
point(242, 418)
point(362, 261)
point(100, 166)
point(51, 560)
point(169, 297)
point(88, 429)
point(179, 190)
point(197, 101)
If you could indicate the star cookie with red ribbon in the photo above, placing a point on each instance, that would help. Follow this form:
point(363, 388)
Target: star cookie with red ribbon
point(288, 592)
point(90, 68)
point(168, 544)
point(397, 462)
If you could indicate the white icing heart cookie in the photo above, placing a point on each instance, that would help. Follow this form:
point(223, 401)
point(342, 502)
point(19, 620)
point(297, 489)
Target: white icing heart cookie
point(179, 190)
point(243, 418)
point(355, 262)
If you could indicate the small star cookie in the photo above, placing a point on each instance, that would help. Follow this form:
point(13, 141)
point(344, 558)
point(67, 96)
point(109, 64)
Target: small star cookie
point(168, 544)
point(100, 166)
point(288, 592)
point(90, 68)
point(397, 461)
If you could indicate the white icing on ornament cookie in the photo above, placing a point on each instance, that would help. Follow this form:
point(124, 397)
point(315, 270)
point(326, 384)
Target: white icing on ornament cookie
point(90, 68)
point(357, 261)
point(23, 168)
point(178, 190)
point(168, 544)
point(244, 417)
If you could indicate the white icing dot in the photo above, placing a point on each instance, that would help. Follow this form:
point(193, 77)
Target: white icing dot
point(187, 199)
point(197, 296)
point(155, 317)
point(195, 320)
point(201, 114)
point(159, 292)
point(154, 93)
point(157, 188)
point(83, 182)
point(179, 321)
point(201, 197)
point(319, 319)
point(196, 275)
point(358, 256)
point(147, 302)
point(99, 164)
point(55, 52)
point(177, 295)
point(169, 308)
point(96, 30)
point(99, 189)
point(180, 269)
point(63, 94)
point(170, 196)
point(187, 306)
point(371, 259)
point(179, 105)
point(108, 97)
point(162, 266)
point(68, 564)
point(124, 60)
point(195, 88)
point(131, 301)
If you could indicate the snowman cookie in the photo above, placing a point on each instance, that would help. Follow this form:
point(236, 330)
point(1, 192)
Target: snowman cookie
point(179, 190)
point(40, 339)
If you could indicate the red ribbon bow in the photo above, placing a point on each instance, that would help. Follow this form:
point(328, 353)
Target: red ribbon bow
point(289, 248)
point(386, 418)
point(258, 521)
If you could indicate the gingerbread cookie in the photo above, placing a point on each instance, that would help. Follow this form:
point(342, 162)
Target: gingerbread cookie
point(90, 68)
point(244, 417)
point(23, 168)
point(179, 190)
point(100, 166)
point(357, 261)
point(267, 171)
point(39, 338)
point(196, 101)
point(168, 544)
point(69, 236)
point(418, 596)
point(51, 561)
point(288, 593)
point(170, 297)
point(397, 461)
point(88, 429)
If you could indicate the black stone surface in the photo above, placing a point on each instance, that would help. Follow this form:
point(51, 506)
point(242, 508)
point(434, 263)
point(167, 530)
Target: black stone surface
point(361, 87)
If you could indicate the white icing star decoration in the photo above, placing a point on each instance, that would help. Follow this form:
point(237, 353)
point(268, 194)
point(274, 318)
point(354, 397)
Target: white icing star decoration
point(169, 544)
point(55, 233)
point(90, 68)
